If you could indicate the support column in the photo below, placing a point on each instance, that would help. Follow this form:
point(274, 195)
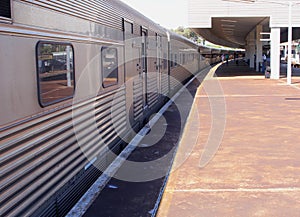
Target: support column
point(247, 53)
point(259, 48)
point(285, 52)
point(290, 38)
point(275, 53)
point(250, 50)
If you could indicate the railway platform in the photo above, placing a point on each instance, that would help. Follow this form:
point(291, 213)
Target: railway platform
point(238, 154)
point(253, 169)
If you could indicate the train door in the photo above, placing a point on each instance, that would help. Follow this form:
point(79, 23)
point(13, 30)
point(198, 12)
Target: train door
point(144, 62)
point(164, 69)
point(159, 62)
point(131, 75)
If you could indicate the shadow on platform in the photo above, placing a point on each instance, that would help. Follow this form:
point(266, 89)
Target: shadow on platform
point(243, 69)
point(233, 69)
point(283, 71)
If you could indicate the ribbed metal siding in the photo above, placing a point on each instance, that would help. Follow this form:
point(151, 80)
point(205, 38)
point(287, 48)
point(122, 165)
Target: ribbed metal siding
point(200, 12)
point(173, 82)
point(137, 29)
point(40, 157)
point(127, 12)
point(137, 98)
point(108, 13)
point(179, 75)
point(96, 11)
point(5, 8)
point(164, 85)
point(152, 89)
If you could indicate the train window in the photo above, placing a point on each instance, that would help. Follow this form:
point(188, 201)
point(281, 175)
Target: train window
point(55, 71)
point(171, 61)
point(128, 27)
point(179, 58)
point(175, 60)
point(109, 58)
point(5, 10)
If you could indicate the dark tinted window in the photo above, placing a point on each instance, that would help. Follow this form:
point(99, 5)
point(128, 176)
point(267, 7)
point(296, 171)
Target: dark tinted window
point(55, 66)
point(128, 27)
point(109, 56)
point(5, 8)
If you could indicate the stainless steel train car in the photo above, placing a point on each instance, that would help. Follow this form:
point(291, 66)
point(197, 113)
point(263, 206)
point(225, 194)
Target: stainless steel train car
point(78, 79)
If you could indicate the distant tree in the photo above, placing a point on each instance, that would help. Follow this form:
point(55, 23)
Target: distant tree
point(186, 32)
point(179, 30)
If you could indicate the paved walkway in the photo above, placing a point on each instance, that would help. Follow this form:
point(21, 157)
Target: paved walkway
point(256, 169)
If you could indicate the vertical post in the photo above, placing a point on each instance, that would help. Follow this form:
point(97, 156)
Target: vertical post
point(251, 48)
point(259, 46)
point(289, 63)
point(275, 54)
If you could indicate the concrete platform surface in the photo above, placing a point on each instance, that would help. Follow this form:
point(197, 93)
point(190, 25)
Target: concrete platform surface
point(256, 169)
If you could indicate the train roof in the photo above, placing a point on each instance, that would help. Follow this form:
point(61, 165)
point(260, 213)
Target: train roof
point(127, 12)
point(109, 13)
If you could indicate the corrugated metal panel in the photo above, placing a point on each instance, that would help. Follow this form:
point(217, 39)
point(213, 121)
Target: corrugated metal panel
point(127, 12)
point(108, 13)
point(152, 89)
point(200, 12)
point(173, 84)
point(179, 75)
point(96, 11)
point(136, 29)
point(165, 85)
point(39, 157)
point(137, 98)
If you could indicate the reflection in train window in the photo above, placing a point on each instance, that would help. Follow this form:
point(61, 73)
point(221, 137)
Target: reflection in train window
point(55, 67)
point(109, 58)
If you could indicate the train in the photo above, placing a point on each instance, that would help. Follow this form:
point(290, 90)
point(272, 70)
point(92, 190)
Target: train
point(78, 80)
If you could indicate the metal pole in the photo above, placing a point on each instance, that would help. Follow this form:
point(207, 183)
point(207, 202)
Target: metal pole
point(289, 63)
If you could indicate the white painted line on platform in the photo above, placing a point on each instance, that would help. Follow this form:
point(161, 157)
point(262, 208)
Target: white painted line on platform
point(291, 85)
point(242, 77)
point(294, 86)
point(240, 95)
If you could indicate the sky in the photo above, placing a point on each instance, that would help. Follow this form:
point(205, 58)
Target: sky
point(168, 13)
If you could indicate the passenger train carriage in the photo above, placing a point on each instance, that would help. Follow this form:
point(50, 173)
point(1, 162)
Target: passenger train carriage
point(64, 64)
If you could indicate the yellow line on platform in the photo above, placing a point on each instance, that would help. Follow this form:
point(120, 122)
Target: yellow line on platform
point(253, 190)
point(260, 77)
point(240, 95)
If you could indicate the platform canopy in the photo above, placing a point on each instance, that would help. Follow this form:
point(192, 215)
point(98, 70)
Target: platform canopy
point(229, 22)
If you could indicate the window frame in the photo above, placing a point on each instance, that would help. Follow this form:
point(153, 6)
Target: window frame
point(102, 68)
point(125, 21)
point(42, 104)
point(176, 59)
point(171, 60)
